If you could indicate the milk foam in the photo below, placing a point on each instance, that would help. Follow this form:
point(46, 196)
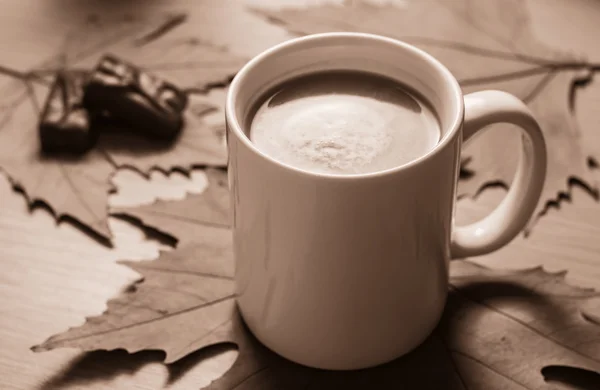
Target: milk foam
point(349, 131)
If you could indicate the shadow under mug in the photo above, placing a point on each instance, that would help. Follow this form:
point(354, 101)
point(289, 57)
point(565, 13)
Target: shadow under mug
point(351, 271)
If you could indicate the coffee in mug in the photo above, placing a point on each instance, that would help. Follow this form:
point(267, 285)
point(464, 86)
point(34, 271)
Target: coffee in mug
point(344, 154)
point(343, 122)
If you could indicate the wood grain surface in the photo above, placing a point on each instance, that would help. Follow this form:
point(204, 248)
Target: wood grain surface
point(52, 275)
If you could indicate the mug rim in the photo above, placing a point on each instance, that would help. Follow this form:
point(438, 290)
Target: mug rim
point(233, 124)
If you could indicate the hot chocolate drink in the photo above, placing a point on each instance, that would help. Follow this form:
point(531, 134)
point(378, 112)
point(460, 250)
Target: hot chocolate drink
point(343, 122)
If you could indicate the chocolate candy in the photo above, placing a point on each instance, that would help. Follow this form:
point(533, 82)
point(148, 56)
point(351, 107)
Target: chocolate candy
point(64, 125)
point(143, 102)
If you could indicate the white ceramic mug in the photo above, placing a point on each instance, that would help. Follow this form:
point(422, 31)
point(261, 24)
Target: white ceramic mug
point(351, 271)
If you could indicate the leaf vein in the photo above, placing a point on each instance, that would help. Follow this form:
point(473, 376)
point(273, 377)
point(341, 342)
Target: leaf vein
point(492, 308)
point(490, 368)
point(210, 332)
point(504, 76)
point(176, 271)
point(250, 377)
point(186, 219)
point(120, 328)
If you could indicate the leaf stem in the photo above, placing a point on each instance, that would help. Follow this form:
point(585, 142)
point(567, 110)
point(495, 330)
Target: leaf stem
point(23, 76)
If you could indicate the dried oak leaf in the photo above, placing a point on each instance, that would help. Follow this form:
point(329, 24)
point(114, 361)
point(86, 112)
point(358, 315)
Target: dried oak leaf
point(78, 187)
point(485, 44)
point(499, 329)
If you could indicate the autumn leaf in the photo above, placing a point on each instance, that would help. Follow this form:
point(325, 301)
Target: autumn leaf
point(187, 61)
point(198, 284)
point(558, 18)
point(567, 234)
point(486, 45)
point(78, 187)
point(494, 154)
point(499, 329)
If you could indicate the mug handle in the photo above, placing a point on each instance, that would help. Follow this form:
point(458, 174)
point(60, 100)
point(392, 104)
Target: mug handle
point(512, 214)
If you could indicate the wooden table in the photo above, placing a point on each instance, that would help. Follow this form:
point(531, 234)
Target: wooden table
point(52, 276)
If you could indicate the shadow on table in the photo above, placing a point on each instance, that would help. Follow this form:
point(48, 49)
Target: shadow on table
point(103, 366)
point(572, 377)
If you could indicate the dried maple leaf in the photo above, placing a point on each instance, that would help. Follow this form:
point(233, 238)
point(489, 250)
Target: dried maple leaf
point(186, 60)
point(485, 44)
point(494, 157)
point(499, 329)
point(196, 298)
point(556, 20)
point(566, 235)
point(78, 187)
point(75, 186)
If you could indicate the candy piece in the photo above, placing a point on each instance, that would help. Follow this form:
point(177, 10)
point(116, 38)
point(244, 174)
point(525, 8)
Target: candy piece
point(145, 103)
point(64, 125)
